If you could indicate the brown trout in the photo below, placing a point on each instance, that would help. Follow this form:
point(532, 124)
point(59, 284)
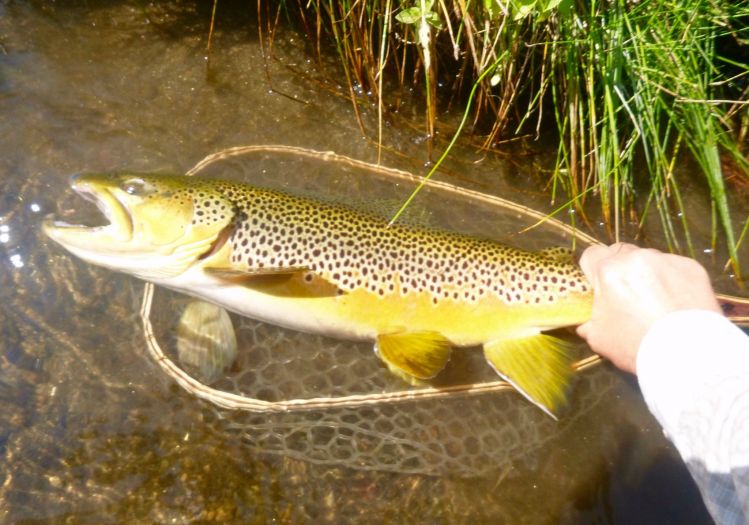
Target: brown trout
point(323, 268)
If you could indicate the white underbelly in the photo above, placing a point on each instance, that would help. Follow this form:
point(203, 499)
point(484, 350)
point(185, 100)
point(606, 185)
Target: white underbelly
point(297, 314)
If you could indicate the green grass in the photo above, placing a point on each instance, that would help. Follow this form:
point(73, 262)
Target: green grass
point(633, 89)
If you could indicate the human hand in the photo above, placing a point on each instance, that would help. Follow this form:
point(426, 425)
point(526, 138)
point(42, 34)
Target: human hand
point(633, 288)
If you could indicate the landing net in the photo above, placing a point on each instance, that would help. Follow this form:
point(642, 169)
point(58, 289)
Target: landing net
point(332, 402)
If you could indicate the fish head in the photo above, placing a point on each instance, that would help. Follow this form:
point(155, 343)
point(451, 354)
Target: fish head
point(158, 225)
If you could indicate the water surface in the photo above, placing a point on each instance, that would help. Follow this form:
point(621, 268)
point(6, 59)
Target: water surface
point(92, 431)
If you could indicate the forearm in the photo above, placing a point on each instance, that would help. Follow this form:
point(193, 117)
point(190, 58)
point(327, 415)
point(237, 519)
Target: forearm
point(693, 369)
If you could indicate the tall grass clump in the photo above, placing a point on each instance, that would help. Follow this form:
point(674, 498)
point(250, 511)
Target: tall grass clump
point(631, 88)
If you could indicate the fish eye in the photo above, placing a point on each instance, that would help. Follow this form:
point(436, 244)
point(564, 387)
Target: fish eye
point(136, 186)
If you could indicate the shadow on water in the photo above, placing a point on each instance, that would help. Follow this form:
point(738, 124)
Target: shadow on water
point(92, 432)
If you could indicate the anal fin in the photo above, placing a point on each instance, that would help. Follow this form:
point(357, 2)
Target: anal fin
point(414, 355)
point(539, 367)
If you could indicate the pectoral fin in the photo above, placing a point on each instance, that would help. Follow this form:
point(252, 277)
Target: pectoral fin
point(241, 274)
point(414, 355)
point(281, 282)
point(539, 367)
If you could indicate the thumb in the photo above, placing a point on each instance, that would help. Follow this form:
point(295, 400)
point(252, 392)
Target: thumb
point(584, 330)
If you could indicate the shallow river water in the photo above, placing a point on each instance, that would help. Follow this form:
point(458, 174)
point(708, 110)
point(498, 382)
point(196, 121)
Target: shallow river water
point(92, 431)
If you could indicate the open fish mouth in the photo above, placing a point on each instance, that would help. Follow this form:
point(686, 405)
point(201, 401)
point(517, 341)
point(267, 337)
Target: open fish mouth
point(118, 229)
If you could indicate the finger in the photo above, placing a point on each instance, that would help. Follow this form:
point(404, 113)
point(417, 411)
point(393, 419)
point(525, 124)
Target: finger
point(593, 256)
point(624, 247)
point(583, 330)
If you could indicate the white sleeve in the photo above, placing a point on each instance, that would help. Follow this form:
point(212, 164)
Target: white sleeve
point(693, 369)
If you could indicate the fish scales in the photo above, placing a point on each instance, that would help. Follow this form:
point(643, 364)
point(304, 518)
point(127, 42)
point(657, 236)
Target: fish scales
point(358, 250)
point(327, 268)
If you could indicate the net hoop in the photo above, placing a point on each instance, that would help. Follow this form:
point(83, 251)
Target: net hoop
point(231, 401)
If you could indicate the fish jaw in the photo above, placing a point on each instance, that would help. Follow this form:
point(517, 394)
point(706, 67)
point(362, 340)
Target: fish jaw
point(152, 231)
point(102, 245)
point(119, 230)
